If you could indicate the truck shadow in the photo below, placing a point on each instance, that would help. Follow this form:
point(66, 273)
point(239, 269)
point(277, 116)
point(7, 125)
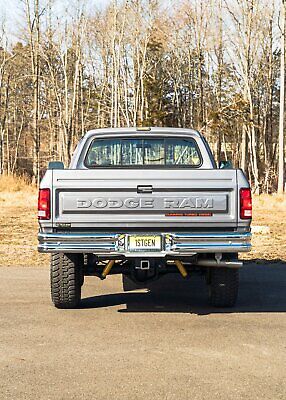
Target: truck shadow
point(262, 289)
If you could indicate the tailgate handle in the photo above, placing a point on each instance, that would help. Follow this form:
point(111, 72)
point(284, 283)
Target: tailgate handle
point(144, 189)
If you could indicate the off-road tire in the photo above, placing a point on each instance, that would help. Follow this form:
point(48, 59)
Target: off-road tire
point(66, 279)
point(223, 286)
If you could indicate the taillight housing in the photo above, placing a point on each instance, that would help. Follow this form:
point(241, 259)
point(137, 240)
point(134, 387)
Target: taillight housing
point(245, 203)
point(44, 204)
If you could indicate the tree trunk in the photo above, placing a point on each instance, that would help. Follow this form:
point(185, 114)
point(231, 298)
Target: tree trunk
point(281, 111)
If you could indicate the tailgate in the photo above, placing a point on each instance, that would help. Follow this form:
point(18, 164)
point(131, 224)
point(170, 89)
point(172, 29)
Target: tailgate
point(142, 198)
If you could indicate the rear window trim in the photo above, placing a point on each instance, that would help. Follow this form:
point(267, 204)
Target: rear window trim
point(144, 166)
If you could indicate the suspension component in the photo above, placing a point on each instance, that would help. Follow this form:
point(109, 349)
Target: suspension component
point(181, 268)
point(107, 269)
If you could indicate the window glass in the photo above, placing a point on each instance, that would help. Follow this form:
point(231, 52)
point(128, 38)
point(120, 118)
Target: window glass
point(132, 152)
point(143, 151)
point(154, 152)
point(182, 152)
point(104, 153)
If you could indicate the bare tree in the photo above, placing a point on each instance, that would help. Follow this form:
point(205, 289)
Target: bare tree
point(212, 65)
point(33, 14)
point(281, 110)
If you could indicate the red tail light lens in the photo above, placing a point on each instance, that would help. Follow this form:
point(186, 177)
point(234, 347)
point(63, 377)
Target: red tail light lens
point(44, 204)
point(245, 204)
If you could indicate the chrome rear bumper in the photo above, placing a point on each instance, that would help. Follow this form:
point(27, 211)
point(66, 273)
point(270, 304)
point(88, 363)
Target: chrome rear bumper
point(173, 244)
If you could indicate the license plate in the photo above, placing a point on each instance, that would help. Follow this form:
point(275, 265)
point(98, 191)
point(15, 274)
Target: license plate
point(144, 243)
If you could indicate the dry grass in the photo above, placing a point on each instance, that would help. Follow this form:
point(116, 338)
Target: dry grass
point(19, 225)
point(12, 184)
point(269, 210)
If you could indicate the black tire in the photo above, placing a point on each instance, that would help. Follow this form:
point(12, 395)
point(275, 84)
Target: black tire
point(66, 279)
point(223, 286)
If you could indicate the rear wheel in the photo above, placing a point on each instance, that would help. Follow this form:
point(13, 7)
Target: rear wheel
point(66, 279)
point(223, 286)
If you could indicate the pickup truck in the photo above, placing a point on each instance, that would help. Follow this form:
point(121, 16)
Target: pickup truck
point(144, 202)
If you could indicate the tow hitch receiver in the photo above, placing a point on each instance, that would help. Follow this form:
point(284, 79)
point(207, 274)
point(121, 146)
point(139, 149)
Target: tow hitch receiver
point(144, 265)
point(143, 270)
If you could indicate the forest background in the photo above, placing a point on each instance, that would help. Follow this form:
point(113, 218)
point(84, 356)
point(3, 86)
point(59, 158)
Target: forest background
point(216, 66)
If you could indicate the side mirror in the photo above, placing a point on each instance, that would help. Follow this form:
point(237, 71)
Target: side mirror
point(56, 165)
point(225, 165)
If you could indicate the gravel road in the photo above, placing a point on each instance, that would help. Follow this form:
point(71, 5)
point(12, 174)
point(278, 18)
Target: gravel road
point(165, 344)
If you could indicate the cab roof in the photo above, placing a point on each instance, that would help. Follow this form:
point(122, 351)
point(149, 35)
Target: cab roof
point(139, 131)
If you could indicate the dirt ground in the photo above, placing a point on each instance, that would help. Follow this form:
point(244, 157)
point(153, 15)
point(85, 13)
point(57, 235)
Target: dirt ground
point(19, 225)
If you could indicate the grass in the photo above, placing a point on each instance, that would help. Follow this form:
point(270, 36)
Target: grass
point(269, 210)
point(19, 225)
point(14, 184)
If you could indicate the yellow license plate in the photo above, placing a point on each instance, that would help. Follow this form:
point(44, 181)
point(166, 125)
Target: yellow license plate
point(144, 243)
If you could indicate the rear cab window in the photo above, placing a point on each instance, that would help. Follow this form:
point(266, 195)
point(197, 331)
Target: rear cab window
point(143, 152)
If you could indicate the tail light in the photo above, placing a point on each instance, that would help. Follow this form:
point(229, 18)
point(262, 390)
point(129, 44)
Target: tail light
point(245, 204)
point(44, 204)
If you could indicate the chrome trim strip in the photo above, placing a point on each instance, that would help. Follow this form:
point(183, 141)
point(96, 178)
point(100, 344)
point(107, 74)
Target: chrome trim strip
point(116, 244)
point(227, 235)
point(76, 236)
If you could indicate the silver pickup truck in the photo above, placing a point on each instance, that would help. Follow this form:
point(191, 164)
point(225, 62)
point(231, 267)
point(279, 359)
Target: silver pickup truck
point(144, 202)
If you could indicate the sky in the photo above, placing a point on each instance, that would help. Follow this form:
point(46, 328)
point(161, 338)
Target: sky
point(10, 6)
point(7, 8)
point(10, 9)
point(11, 13)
